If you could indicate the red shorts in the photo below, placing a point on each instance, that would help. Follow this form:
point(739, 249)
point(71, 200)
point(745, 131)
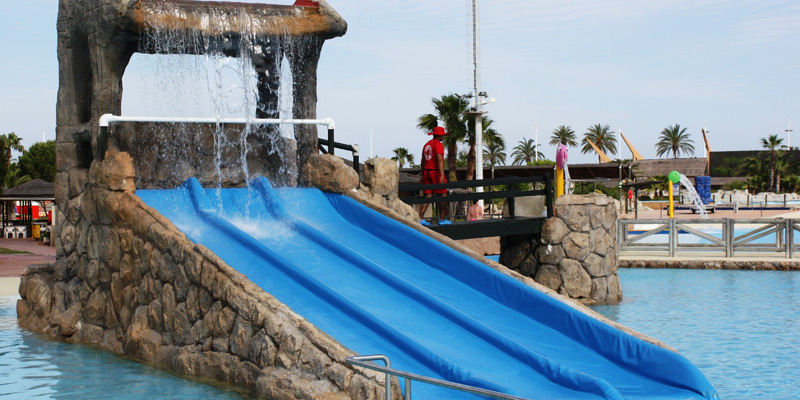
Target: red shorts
point(431, 176)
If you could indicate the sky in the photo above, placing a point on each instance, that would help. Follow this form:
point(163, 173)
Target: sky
point(638, 66)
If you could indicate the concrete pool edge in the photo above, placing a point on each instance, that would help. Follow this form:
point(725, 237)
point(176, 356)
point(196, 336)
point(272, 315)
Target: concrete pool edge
point(713, 263)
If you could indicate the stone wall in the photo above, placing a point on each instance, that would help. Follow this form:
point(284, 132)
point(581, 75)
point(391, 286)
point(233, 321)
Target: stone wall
point(575, 255)
point(128, 281)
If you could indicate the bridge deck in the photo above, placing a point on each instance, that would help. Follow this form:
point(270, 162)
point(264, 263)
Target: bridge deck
point(490, 227)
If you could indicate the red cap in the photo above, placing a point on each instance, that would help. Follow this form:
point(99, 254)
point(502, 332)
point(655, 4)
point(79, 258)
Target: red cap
point(438, 131)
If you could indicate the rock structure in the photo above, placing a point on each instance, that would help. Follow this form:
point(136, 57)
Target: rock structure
point(379, 190)
point(575, 255)
point(165, 155)
point(133, 284)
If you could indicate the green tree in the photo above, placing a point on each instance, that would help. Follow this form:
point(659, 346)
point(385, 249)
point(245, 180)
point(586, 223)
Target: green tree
point(494, 154)
point(675, 139)
point(564, 135)
point(450, 109)
point(8, 142)
point(14, 177)
point(525, 152)
point(489, 135)
point(772, 143)
point(402, 155)
point(757, 171)
point(39, 161)
point(602, 137)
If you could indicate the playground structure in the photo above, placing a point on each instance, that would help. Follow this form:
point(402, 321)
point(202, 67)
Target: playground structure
point(218, 289)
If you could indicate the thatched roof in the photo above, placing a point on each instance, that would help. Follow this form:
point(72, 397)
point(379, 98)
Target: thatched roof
point(690, 167)
point(36, 189)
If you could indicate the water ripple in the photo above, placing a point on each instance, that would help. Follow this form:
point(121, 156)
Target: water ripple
point(741, 328)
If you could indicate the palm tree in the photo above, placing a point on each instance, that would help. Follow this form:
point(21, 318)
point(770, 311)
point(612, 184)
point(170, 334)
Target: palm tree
point(564, 135)
point(401, 155)
point(489, 135)
point(675, 139)
point(8, 142)
point(755, 168)
point(14, 177)
point(450, 110)
point(602, 137)
point(772, 143)
point(494, 154)
point(525, 152)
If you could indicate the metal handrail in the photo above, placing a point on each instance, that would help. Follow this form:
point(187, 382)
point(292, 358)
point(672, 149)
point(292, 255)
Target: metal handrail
point(366, 362)
point(782, 228)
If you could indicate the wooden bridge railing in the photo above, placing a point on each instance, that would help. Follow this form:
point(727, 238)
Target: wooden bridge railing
point(723, 237)
point(511, 225)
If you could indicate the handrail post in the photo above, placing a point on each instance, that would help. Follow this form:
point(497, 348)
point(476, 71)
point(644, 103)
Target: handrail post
point(548, 187)
point(331, 147)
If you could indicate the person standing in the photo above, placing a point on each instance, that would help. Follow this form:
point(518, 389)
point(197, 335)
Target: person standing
point(433, 172)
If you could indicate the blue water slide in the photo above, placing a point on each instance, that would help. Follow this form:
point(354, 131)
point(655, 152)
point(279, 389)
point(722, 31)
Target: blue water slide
point(380, 287)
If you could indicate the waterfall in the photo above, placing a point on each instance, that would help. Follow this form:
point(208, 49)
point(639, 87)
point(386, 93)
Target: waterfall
point(243, 75)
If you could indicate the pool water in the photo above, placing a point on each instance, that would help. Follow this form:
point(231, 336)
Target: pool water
point(741, 328)
point(32, 367)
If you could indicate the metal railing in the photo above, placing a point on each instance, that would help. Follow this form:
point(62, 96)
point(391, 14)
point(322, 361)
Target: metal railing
point(366, 362)
point(729, 237)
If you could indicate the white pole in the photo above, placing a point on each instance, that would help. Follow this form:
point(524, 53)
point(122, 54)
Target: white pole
point(477, 80)
point(370, 143)
point(619, 142)
point(536, 143)
point(789, 134)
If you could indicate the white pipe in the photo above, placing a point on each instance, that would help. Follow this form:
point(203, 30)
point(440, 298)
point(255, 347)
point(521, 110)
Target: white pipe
point(105, 119)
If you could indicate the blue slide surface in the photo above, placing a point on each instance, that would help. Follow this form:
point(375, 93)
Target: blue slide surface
point(380, 287)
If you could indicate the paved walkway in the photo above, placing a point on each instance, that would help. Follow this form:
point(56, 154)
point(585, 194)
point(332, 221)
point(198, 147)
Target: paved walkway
point(12, 265)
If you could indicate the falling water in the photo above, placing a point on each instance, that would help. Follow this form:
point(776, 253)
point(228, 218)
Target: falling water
point(216, 84)
point(701, 208)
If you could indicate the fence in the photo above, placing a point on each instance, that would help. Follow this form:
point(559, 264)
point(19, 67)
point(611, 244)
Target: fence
point(710, 237)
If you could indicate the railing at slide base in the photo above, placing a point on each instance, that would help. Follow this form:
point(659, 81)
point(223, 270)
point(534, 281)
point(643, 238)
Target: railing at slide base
point(728, 243)
point(366, 362)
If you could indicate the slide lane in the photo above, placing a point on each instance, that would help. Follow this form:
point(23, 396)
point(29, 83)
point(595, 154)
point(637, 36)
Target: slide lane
point(378, 286)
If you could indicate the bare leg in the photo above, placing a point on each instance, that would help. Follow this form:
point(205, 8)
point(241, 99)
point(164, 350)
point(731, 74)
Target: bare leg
point(423, 208)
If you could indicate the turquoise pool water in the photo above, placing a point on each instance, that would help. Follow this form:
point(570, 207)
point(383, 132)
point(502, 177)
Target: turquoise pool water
point(34, 368)
point(741, 328)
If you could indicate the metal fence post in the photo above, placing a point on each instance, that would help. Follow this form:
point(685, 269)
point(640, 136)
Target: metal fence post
point(673, 238)
point(731, 237)
point(789, 238)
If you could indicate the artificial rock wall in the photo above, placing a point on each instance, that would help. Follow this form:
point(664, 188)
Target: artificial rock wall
point(128, 281)
point(576, 253)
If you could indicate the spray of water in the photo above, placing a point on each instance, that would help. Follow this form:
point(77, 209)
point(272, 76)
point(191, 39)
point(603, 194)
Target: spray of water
point(701, 208)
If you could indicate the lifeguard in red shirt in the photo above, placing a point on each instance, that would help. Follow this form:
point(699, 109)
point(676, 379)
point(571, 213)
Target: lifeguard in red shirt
point(433, 172)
